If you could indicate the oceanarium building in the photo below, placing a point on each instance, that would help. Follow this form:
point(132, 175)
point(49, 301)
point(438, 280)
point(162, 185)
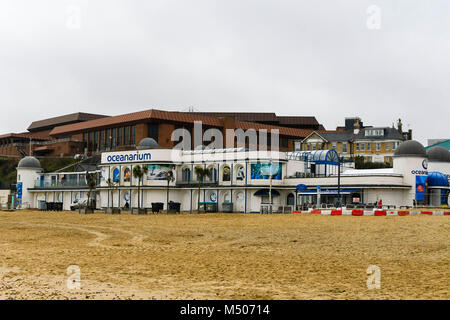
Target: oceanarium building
point(245, 179)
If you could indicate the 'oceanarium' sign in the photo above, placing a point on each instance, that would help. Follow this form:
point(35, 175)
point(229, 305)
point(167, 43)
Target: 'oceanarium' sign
point(129, 157)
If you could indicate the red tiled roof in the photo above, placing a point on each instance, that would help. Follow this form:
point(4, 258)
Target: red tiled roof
point(265, 117)
point(62, 120)
point(135, 117)
point(298, 120)
point(285, 131)
point(175, 116)
point(26, 135)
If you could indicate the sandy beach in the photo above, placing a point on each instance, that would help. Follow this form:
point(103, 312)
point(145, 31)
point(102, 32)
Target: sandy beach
point(222, 256)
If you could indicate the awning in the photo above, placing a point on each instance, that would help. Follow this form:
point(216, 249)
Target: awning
point(265, 193)
point(329, 191)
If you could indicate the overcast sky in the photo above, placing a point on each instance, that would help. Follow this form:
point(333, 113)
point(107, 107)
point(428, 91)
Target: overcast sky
point(320, 58)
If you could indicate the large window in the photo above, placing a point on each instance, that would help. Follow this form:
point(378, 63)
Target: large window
point(108, 138)
point(120, 136)
point(113, 137)
point(344, 147)
point(186, 175)
point(152, 131)
point(102, 140)
point(91, 141)
point(363, 146)
point(369, 146)
point(96, 144)
point(133, 135)
point(378, 146)
point(126, 136)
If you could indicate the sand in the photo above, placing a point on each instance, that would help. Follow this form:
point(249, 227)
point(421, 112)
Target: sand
point(222, 256)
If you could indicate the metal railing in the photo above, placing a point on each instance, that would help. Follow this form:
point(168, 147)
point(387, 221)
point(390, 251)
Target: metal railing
point(61, 184)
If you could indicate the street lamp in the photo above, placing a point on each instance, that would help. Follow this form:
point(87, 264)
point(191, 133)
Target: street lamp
point(270, 186)
point(339, 182)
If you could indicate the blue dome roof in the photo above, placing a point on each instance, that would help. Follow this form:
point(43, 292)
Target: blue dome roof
point(437, 179)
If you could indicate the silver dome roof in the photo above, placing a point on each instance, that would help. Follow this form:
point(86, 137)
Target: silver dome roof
point(410, 148)
point(147, 143)
point(438, 154)
point(29, 162)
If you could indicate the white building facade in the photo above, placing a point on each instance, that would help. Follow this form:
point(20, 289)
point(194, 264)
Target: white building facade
point(246, 179)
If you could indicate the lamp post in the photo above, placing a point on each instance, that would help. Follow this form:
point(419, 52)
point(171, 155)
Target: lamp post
point(270, 186)
point(339, 181)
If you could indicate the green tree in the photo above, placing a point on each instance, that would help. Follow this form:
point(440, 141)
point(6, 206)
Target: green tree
point(112, 186)
point(92, 185)
point(138, 173)
point(169, 178)
point(201, 174)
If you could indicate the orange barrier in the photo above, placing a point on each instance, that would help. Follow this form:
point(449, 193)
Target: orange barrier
point(357, 212)
point(403, 213)
point(380, 213)
point(336, 212)
point(316, 211)
point(427, 212)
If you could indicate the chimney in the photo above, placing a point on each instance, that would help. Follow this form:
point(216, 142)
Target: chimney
point(399, 126)
point(356, 127)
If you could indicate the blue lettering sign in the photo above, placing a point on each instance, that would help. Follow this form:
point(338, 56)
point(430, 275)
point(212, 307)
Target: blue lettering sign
point(129, 157)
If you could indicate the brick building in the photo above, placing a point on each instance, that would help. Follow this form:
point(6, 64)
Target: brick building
point(374, 144)
point(123, 132)
point(40, 143)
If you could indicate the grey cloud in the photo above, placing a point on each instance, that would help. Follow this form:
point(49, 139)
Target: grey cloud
point(291, 57)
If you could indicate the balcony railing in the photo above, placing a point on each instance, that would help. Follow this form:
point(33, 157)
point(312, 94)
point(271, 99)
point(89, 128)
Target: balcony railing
point(61, 184)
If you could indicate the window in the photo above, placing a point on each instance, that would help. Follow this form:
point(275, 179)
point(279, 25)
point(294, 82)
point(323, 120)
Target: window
point(108, 138)
point(186, 175)
point(357, 147)
point(313, 146)
point(91, 141)
point(333, 145)
point(284, 142)
point(126, 136)
point(374, 132)
point(113, 137)
point(102, 140)
point(95, 140)
point(363, 146)
point(387, 146)
point(133, 135)
point(369, 146)
point(378, 144)
point(120, 137)
point(297, 145)
point(394, 145)
point(152, 131)
point(344, 147)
